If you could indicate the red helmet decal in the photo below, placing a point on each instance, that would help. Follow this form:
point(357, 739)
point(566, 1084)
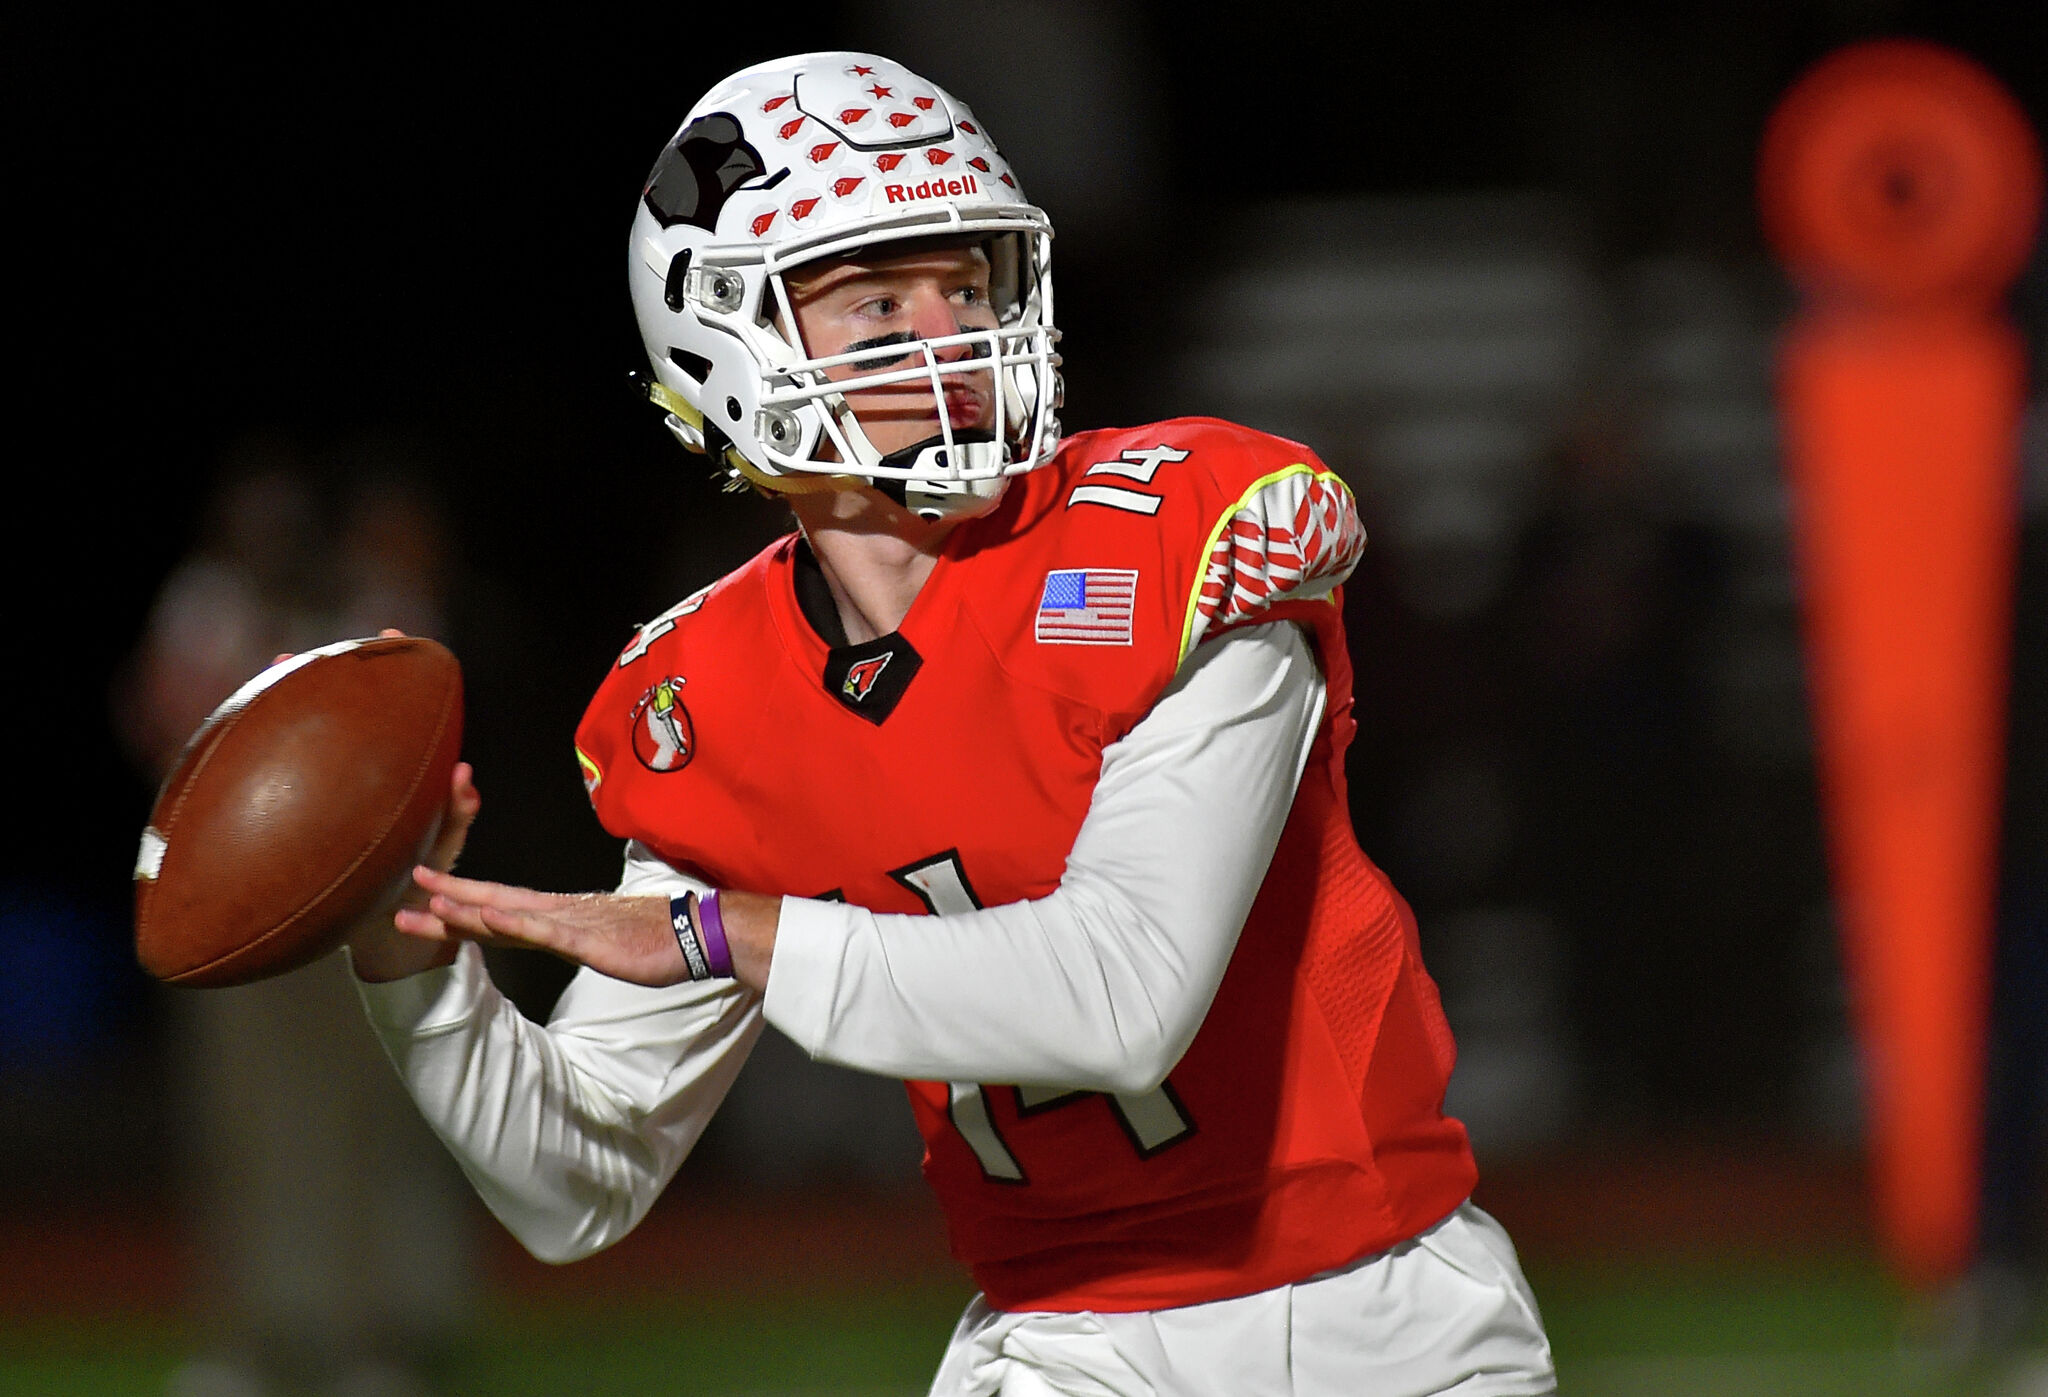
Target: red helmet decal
point(802, 207)
point(938, 157)
point(925, 104)
point(968, 127)
point(761, 223)
point(790, 128)
point(859, 71)
point(886, 163)
point(978, 163)
point(1007, 180)
point(878, 92)
point(822, 153)
point(852, 115)
point(773, 102)
point(844, 187)
point(899, 120)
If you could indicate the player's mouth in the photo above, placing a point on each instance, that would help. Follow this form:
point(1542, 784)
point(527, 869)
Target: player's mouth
point(965, 407)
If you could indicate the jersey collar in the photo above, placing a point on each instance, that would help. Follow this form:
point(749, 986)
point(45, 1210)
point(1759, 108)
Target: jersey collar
point(868, 679)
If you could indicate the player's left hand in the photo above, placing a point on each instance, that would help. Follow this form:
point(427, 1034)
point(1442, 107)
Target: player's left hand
point(627, 938)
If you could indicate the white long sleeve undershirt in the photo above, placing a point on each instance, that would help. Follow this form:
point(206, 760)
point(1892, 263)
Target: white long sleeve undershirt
point(569, 1132)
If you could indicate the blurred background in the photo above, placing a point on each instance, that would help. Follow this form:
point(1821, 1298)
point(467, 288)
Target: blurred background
point(323, 327)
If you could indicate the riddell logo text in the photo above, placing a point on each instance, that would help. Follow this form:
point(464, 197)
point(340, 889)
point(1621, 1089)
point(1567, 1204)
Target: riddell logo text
point(931, 189)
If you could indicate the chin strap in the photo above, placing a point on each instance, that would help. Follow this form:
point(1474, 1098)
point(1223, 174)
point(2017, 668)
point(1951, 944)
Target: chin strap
point(931, 499)
point(975, 448)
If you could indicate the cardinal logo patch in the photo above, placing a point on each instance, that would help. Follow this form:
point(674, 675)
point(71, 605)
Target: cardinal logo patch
point(870, 678)
point(663, 737)
point(861, 677)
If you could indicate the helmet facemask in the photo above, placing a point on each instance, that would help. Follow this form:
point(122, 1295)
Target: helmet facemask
point(807, 414)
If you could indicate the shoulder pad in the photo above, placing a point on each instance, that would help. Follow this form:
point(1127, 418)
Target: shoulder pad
point(1253, 520)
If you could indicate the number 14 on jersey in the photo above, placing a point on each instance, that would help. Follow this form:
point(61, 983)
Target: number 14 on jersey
point(1152, 1120)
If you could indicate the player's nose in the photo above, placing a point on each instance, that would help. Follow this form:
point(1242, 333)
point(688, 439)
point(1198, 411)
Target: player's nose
point(933, 317)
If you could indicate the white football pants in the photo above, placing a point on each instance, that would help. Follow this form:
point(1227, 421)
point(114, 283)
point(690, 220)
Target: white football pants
point(1447, 1312)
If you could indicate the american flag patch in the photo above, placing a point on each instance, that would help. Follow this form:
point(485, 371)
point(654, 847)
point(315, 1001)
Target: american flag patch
point(1087, 606)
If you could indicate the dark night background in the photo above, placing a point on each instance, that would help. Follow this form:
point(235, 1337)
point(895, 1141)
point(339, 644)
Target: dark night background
point(403, 238)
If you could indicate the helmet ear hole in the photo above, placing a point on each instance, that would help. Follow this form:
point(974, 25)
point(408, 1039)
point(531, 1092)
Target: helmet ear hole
point(695, 365)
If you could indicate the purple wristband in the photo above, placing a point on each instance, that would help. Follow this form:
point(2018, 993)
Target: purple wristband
point(682, 918)
point(716, 951)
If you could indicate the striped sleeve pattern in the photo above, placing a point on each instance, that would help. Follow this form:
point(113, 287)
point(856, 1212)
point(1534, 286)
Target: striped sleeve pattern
point(1294, 536)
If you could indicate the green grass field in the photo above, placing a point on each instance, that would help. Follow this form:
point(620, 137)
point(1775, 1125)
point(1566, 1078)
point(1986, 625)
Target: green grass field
point(1717, 1330)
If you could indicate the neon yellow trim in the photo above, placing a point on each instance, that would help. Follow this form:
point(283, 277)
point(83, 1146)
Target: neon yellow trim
point(1187, 629)
point(789, 484)
point(661, 395)
point(593, 774)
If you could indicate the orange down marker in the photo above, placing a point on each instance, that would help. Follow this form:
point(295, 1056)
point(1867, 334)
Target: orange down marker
point(1901, 186)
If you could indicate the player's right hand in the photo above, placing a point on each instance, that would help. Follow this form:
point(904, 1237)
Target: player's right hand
point(625, 937)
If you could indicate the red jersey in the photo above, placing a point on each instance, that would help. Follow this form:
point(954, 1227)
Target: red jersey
point(949, 765)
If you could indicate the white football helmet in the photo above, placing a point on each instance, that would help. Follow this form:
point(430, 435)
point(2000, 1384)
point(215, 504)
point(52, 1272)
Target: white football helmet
point(817, 157)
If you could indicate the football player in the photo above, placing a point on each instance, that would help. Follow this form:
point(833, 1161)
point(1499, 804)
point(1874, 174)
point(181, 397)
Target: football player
point(1016, 771)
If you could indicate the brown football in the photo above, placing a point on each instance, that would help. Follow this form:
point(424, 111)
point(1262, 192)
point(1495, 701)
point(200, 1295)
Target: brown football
point(298, 807)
